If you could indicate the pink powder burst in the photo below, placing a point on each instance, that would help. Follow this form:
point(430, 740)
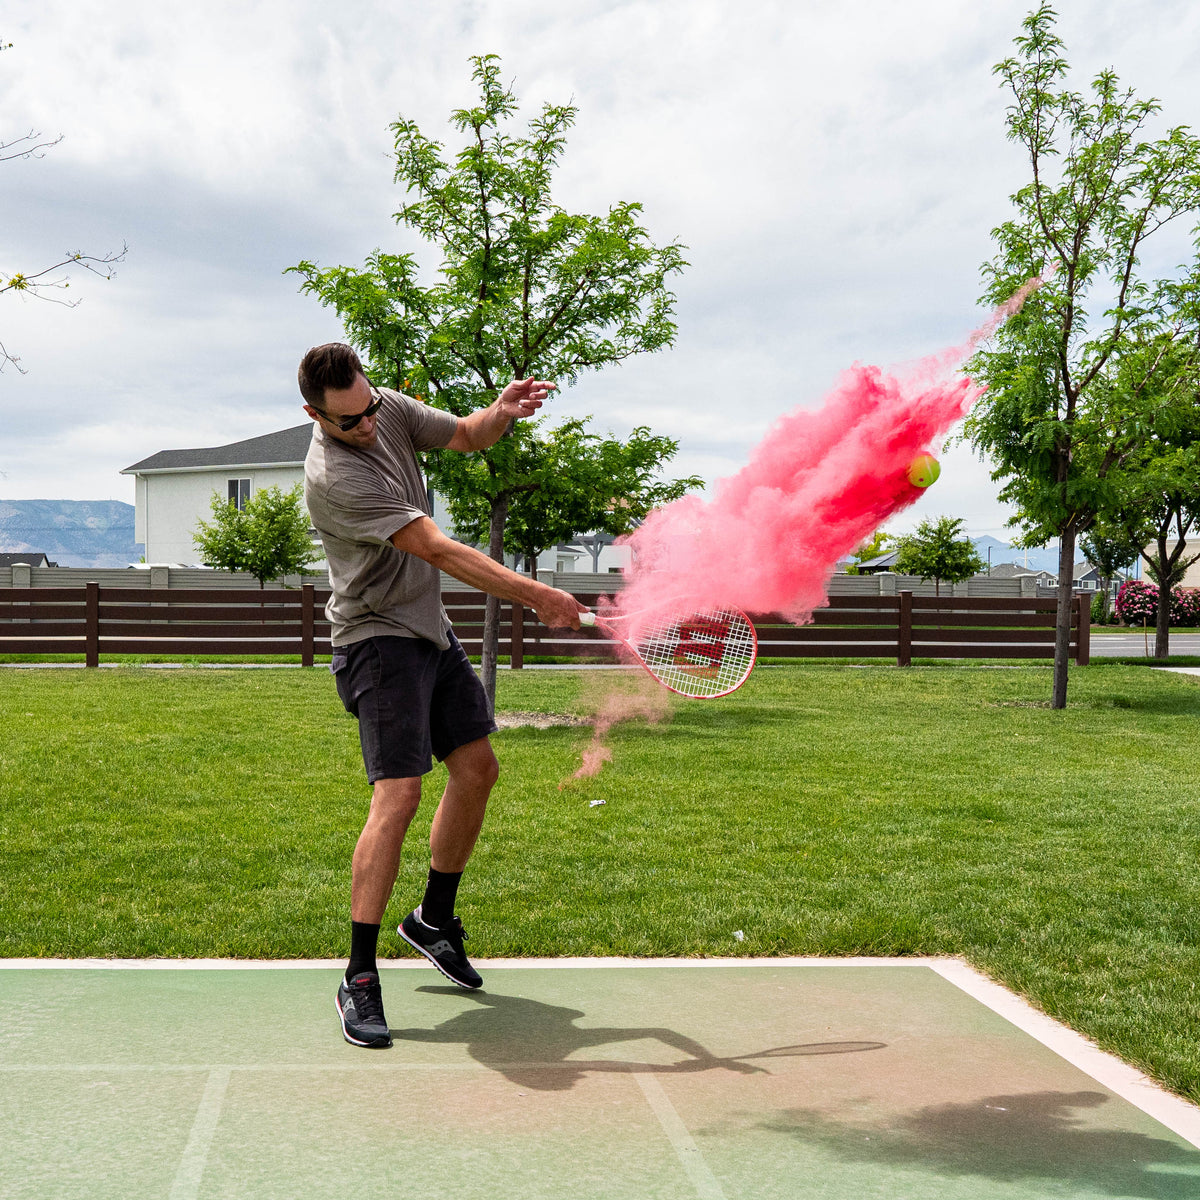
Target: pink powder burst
point(618, 699)
point(818, 485)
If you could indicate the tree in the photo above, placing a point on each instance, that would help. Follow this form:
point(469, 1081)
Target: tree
point(936, 551)
point(1052, 421)
point(878, 545)
point(46, 283)
point(268, 538)
point(568, 482)
point(524, 288)
point(1110, 553)
point(1160, 505)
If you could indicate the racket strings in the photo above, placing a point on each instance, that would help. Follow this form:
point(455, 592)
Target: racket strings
point(702, 654)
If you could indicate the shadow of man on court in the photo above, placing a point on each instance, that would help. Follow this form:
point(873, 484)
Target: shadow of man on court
point(532, 1043)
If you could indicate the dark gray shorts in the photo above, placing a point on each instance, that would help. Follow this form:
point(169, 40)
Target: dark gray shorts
point(412, 701)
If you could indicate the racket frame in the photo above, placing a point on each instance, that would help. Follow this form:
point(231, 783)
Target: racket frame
point(595, 620)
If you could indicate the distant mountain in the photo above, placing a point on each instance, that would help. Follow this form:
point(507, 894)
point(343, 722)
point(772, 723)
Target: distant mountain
point(1038, 558)
point(72, 533)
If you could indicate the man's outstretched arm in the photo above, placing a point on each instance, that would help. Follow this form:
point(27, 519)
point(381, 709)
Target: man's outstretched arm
point(424, 539)
point(484, 428)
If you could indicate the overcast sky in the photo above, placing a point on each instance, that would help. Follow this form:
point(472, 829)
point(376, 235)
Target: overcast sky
point(834, 170)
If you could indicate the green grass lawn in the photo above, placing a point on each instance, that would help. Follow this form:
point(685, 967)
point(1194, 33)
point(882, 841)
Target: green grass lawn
point(821, 810)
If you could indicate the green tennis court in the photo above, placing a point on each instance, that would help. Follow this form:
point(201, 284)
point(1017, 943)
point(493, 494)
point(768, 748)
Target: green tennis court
point(772, 1078)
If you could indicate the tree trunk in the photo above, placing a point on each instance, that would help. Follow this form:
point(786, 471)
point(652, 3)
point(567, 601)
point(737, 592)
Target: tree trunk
point(491, 611)
point(1062, 624)
point(1162, 617)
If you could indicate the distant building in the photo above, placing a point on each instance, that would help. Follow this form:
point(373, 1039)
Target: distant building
point(30, 558)
point(174, 490)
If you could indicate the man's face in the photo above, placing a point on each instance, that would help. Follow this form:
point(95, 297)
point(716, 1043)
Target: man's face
point(341, 404)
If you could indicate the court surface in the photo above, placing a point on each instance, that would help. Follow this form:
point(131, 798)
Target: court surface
point(853, 1078)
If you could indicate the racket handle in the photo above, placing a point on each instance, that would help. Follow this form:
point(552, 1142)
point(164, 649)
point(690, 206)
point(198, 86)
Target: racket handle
point(587, 618)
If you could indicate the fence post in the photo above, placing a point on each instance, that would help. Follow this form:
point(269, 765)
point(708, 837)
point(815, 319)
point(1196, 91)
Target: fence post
point(307, 593)
point(1083, 622)
point(516, 658)
point(904, 632)
point(91, 617)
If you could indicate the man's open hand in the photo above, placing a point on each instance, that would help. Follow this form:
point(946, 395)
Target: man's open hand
point(523, 397)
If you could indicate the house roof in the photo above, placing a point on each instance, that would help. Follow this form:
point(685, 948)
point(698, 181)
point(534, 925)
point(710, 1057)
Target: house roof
point(884, 562)
point(1009, 570)
point(35, 558)
point(286, 447)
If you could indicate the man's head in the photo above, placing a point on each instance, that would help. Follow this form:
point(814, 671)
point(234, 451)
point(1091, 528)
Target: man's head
point(337, 395)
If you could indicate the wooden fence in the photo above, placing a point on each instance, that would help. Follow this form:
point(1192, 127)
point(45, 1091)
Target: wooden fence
point(95, 620)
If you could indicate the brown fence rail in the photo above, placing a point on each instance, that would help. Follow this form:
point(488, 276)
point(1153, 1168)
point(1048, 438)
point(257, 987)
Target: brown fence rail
point(95, 620)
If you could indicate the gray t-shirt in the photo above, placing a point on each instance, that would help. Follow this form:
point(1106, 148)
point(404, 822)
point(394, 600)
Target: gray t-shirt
point(357, 498)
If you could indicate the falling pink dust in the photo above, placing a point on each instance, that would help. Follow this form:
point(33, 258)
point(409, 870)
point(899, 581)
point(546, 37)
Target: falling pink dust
point(818, 485)
point(618, 699)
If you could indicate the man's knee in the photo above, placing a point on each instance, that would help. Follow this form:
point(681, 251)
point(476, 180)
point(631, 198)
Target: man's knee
point(474, 765)
point(394, 802)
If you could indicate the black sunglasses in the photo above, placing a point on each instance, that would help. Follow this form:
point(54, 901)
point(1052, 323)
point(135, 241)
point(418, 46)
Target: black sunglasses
point(348, 423)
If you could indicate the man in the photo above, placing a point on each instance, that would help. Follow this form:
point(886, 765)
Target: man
point(398, 666)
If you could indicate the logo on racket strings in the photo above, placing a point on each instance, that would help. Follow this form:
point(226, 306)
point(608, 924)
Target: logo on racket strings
point(701, 646)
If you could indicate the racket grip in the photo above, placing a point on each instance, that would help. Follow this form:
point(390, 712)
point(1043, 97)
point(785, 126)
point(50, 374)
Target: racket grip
point(587, 618)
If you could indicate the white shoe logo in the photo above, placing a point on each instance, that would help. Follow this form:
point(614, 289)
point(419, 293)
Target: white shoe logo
point(442, 947)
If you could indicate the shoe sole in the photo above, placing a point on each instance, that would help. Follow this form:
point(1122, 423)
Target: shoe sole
point(468, 987)
point(375, 1045)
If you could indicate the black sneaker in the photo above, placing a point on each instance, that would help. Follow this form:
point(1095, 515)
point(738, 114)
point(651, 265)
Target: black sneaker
point(360, 1006)
point(443, 947)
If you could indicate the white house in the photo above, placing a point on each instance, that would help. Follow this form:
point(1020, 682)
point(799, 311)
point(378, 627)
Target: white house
point(174, 489)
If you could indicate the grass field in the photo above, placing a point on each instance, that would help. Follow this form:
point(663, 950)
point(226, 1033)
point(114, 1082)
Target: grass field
point(820, 810)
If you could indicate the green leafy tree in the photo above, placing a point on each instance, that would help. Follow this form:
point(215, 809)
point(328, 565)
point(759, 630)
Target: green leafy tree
point(937, 551)
point(268, 538)
point(45, 282)
point(1110, 552)
point(574, 482)
point(1159, 506)
point(877, 545)
point(1053, 421)
point(523, 288)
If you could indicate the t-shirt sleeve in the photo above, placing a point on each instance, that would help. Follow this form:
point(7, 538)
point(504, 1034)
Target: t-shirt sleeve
point(359, 510)
point(429, 428)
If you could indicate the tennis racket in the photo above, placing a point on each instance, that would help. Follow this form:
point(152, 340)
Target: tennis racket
point(702, 654)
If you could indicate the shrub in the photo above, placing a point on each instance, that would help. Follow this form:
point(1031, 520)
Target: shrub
point(1185, 606)
point(1137, 601)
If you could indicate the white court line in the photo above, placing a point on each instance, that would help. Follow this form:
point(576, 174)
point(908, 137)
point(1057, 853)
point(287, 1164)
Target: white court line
point(195, 1153)
point(420, 964)
point(1177, 1114)
point(703, 1180)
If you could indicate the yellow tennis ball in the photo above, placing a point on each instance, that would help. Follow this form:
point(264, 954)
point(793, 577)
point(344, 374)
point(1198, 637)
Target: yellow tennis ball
point(923, 470)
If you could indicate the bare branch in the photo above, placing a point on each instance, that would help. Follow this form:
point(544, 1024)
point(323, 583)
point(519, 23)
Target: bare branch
point(36, 150)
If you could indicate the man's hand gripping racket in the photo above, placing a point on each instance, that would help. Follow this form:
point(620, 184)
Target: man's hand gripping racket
point(701, 654)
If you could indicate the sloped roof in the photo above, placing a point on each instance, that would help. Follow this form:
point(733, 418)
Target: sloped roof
point(35, 558)
point(284, 446)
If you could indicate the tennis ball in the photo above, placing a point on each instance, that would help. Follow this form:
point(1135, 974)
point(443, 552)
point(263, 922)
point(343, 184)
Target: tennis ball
point(923, 470)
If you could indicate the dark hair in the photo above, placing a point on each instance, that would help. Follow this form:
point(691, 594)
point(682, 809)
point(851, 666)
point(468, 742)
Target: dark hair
point(334, 365)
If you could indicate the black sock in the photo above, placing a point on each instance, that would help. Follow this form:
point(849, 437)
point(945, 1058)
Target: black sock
point(437, 908)
point(363, 941)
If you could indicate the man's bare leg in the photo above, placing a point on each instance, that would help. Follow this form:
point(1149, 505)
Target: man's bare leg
point(432, 927)
point(377, 855)
point(456, 824)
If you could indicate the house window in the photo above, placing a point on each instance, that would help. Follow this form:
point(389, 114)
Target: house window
point(239, 493)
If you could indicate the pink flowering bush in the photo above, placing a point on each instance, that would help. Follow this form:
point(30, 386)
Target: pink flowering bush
point(1185, 606)
point(1137, 601)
